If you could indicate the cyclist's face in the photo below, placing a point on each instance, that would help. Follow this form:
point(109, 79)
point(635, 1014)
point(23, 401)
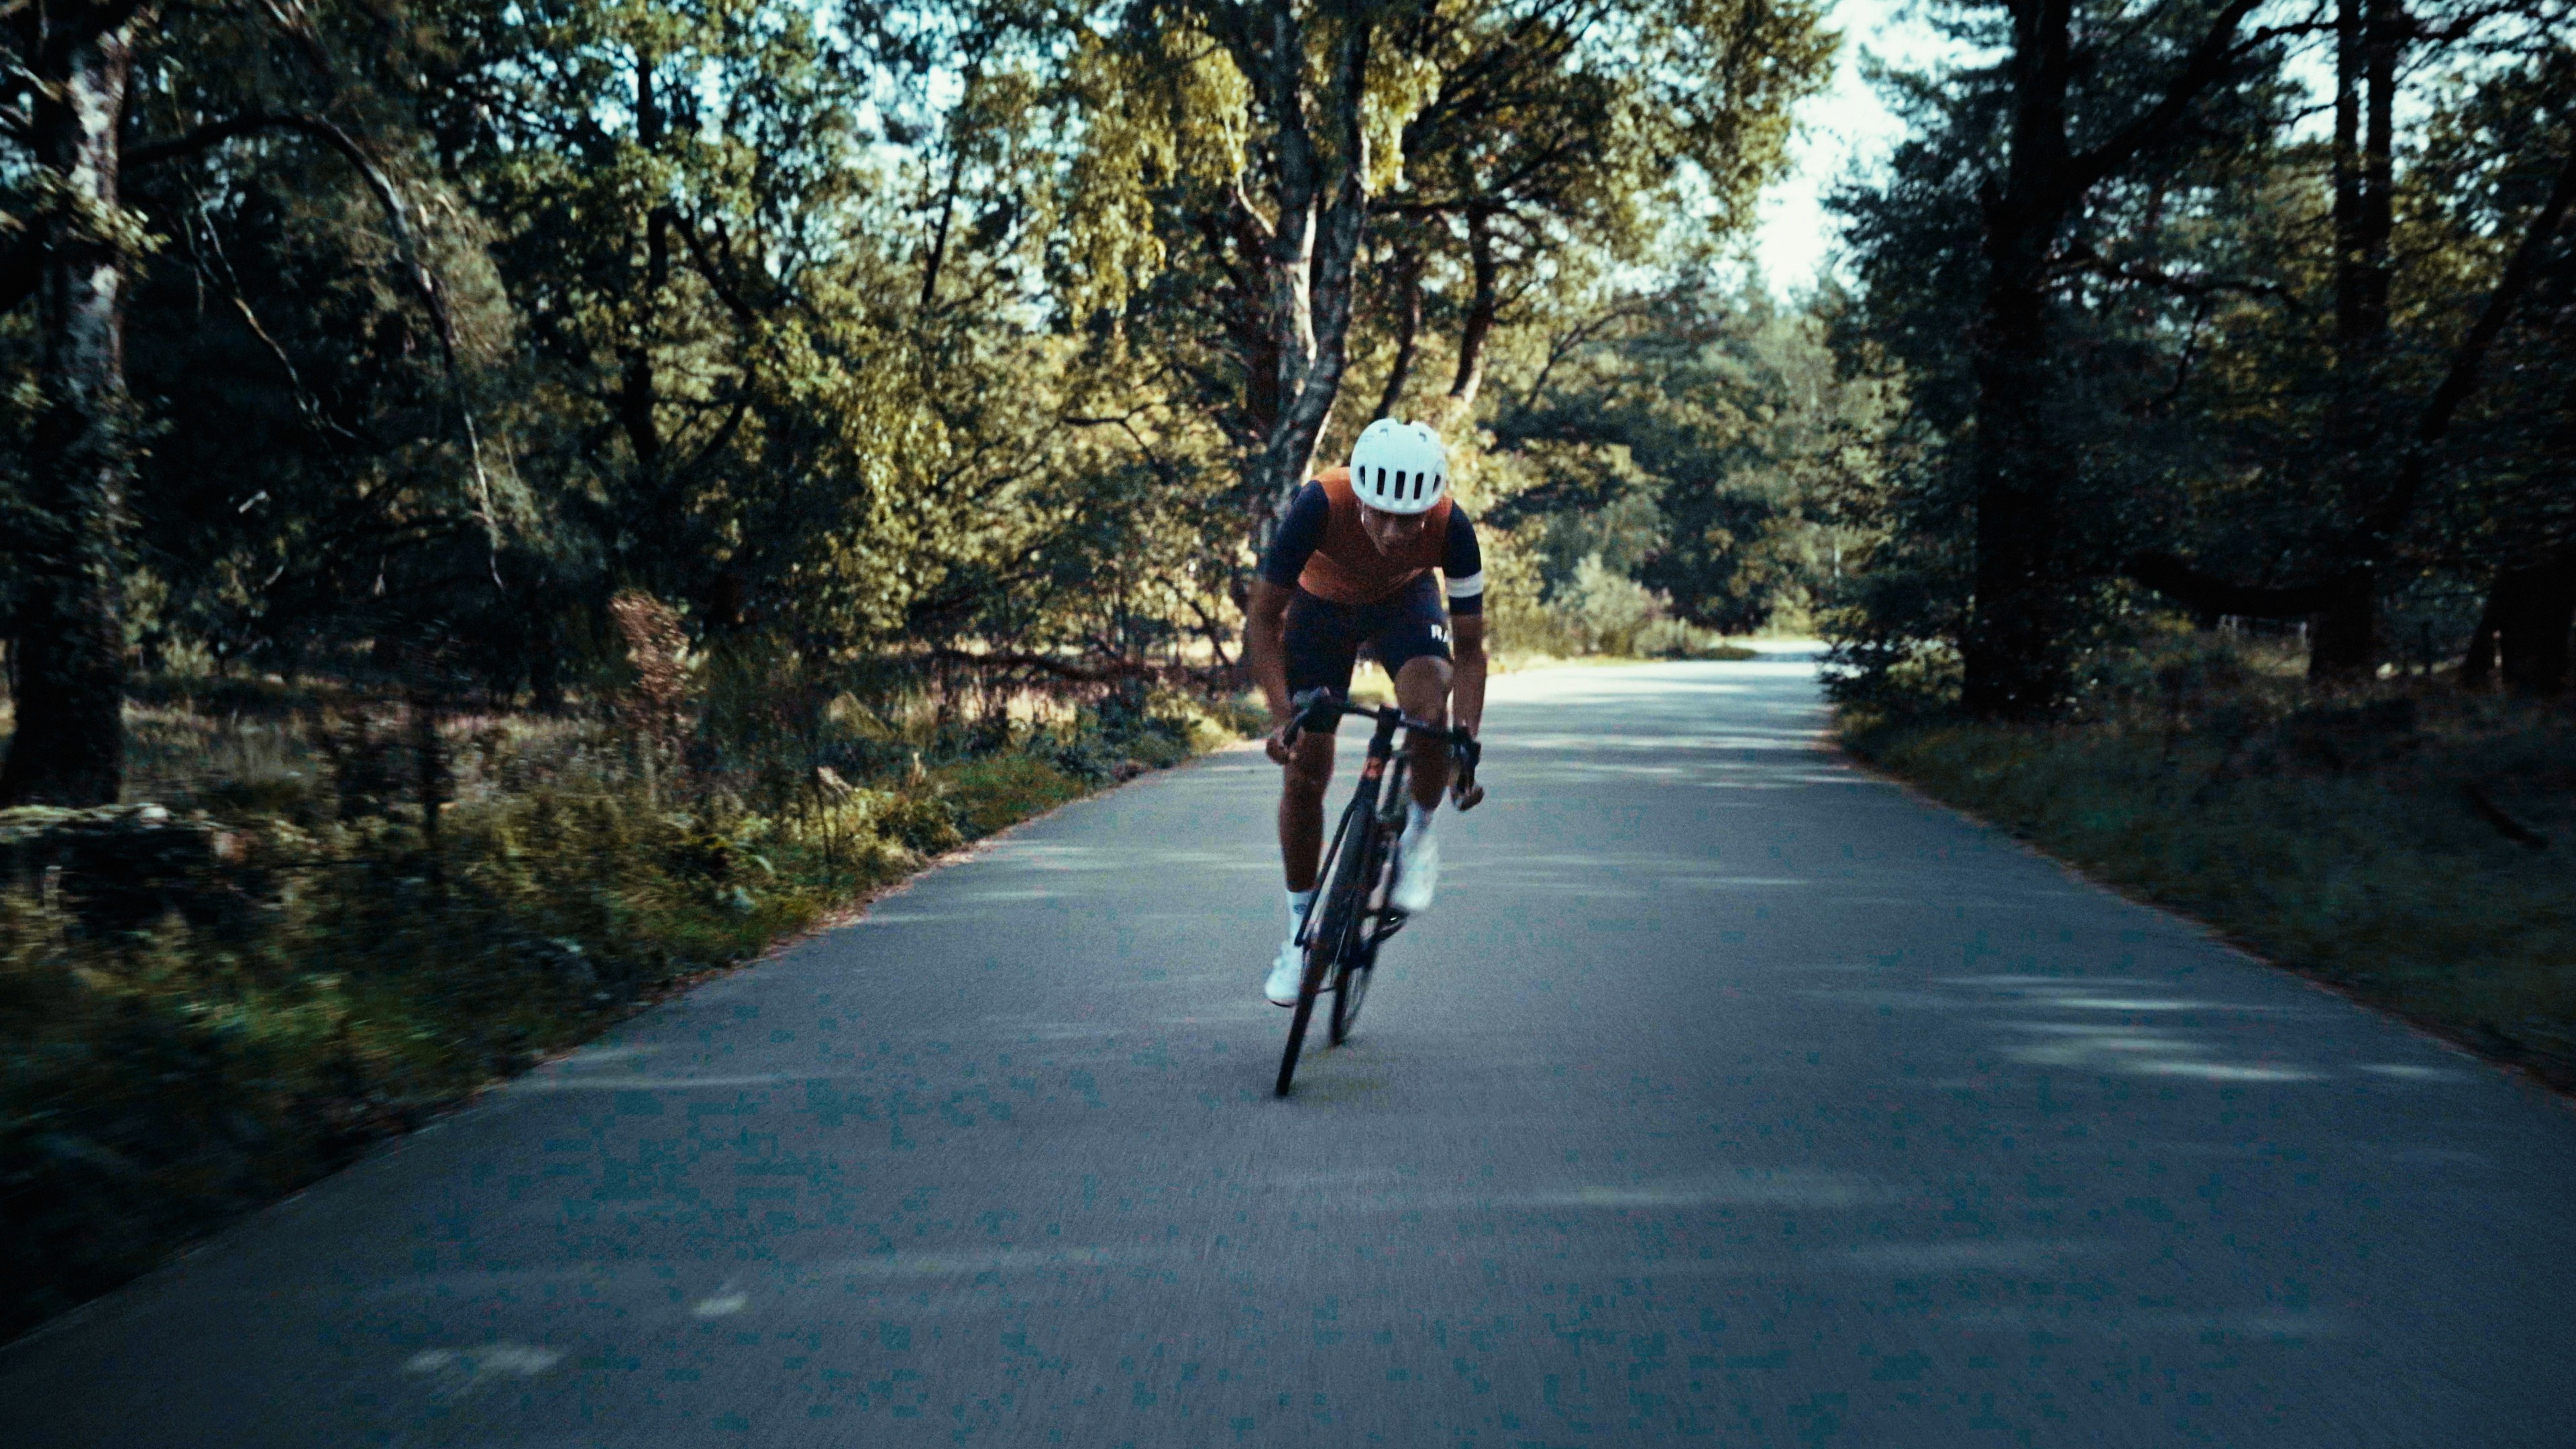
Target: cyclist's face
point(1392, 531)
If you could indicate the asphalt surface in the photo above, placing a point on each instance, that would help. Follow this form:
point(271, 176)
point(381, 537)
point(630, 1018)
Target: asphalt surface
point(1728, 1095)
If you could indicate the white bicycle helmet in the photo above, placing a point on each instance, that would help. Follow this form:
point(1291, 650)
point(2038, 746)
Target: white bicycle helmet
point(1399, 467)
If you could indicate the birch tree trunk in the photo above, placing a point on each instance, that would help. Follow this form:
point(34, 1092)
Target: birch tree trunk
point(69, 748)
point(1319, 201)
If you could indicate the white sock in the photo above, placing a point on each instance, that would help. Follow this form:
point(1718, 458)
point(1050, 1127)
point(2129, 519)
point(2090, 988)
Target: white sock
point(1298, 901)
point(1418, 818)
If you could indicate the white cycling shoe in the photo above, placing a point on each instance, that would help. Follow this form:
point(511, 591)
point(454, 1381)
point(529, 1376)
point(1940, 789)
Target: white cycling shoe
point(1286, 975)
point(1417, 869)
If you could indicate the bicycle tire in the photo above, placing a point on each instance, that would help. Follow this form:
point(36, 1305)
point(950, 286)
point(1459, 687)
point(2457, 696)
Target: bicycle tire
point(1350, 991)
point(1359, 963)
point(1351, 966)
point(1327, 939)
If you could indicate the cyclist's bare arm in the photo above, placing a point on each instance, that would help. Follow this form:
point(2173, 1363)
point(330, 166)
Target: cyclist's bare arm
point(1265, 649)
point(1467, 681)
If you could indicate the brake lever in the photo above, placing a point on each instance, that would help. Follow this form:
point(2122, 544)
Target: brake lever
point(1464, 792)
point(1301, 706)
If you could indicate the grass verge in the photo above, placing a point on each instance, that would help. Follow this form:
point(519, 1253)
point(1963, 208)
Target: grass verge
point(2407, 848)
point(208, 1005)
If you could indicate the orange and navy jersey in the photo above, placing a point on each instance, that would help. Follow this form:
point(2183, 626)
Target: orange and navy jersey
point(1322, 549)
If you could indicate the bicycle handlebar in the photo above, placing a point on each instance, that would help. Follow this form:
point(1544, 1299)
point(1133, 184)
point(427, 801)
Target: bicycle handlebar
point(1317, 707)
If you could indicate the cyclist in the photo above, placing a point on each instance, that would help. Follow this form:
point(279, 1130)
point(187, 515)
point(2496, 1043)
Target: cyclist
point(1351, 565)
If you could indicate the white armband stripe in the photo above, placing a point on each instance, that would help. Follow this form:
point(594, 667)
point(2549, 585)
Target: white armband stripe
point(1468, 587)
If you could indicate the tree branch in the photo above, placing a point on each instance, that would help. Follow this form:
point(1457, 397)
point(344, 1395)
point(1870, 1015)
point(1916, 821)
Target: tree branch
point(2162, 280)
point(406, 241)
point(2201, 69)
point(1482, 306)
point(714, 275)
point(2462, 378)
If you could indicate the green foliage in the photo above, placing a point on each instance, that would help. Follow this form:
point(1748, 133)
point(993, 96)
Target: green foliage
point(2215, 381)
point(1696, 443)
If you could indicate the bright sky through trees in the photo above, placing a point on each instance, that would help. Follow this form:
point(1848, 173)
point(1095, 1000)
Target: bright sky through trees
point(1847, 125)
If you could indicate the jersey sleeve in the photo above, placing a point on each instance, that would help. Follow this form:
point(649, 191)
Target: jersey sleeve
point(1463, 565)
point(1300, 533)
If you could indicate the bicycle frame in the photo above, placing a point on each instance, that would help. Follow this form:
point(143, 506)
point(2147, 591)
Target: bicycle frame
point(1374, 778)
point(1349, 902)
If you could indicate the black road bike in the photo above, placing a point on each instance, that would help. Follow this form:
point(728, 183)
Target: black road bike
point(1351, 916)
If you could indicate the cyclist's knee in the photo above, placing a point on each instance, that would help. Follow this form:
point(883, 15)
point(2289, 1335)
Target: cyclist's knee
point(1310, 767)
point(1422, 687)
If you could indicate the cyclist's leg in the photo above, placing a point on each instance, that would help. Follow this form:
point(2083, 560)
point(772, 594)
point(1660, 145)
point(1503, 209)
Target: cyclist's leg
point(1411, 638)
point(1422, 687)
point(1321, 645)
point(1301, 808)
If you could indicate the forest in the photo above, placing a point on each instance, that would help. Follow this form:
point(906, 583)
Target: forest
point(2236, 311)
point(512, 507)
point(390, 344)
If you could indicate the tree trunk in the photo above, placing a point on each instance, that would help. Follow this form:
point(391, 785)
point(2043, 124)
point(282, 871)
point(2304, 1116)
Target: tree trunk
point(1408, 330)
point(2477, 666)
point(1484, 303)
point(2369, 40)
point(1320, 205)
point(2014, 652)
point(2344, 637)
point(69, 748)
point(637, 388)
point(2528, 615)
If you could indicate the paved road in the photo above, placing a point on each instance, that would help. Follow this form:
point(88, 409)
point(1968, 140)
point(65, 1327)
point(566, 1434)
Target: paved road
point(1728, 1096)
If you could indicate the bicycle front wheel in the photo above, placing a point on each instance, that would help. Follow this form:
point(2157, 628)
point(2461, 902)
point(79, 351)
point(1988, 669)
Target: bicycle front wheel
point(1359, 962)
point(1319, 965)
point(1332, 936)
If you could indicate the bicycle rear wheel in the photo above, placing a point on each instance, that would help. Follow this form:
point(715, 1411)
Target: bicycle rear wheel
point(1351, 990)
point(1358, 961)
